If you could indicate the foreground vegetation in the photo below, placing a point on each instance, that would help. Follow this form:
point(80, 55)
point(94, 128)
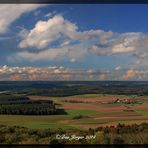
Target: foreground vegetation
point(121, 134)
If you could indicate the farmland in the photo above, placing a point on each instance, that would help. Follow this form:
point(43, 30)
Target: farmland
point(74, 112)
point(94, 109)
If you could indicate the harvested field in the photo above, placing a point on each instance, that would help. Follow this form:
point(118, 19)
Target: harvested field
point(101, 99)
point(97, 107)
point(141, 107)
point(39, 97)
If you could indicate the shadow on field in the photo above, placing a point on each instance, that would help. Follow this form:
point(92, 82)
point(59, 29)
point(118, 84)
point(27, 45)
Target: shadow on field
point(60, 111)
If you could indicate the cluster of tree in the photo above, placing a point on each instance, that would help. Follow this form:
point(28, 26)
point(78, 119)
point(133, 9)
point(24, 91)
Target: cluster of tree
point(11, 99)
point(22, 105)
point(80, 117)
point(74, 101)
point(122, 128)
point(122, 134)
point(28, 109)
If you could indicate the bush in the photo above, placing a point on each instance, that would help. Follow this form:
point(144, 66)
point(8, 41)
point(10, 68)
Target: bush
point(118, 140)
point(79, 117)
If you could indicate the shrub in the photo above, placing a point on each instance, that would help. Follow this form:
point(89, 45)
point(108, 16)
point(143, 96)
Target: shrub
point(118, 140)
point(79, 117)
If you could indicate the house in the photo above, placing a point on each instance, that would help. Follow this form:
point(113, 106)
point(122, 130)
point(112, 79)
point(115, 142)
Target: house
point(126, 101)
point(117, 101)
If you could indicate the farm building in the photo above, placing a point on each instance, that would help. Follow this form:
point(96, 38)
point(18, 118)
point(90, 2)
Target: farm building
point(126, 101)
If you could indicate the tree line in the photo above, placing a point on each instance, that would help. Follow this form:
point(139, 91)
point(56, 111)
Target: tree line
point(28, 109)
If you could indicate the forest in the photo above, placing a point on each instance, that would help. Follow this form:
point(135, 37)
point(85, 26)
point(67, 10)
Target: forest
point(21, 105)
point(70, 88)
point(29, 109)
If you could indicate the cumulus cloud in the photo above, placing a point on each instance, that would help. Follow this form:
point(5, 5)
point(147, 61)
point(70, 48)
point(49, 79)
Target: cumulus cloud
point(46, 73)
point(70, 42)
point(121, 48)
point(118, 68)
point(102, 77)
point(58, 38)
point(129, 74)
point(45, 32)
point(50, 14)
point(63, 73)
point(134, 75)
point(10, 12)
point(70, 52)
point(127, 43)
point(118, 43)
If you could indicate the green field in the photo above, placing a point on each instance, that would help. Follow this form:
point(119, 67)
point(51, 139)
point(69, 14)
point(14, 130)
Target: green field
point(145, 101)
point(50, 121)
point(143, 112)
point(81, 112)
point(47, 121)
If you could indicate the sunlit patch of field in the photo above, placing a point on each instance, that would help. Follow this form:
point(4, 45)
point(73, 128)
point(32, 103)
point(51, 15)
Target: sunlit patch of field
point(49, 121)
point(107, 113)
point(39, 97)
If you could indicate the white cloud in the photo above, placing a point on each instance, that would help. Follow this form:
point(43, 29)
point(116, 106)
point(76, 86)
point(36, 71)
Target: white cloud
point(50, 14)
point(118, 43)
point(73, 44)
point(63, 73)
point(71, 41)
point(10, 12)
point(127, 43)
point(102, 77)
point(72, 60)
point(118, 68)
point(130, 74)
point(121, 48)
point(45, 32)
point(43, 73)
point(71, 53)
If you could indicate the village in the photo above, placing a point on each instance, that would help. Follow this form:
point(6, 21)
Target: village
point(124, 101)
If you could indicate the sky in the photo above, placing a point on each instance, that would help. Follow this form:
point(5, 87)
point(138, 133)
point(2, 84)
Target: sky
point(74, 42)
